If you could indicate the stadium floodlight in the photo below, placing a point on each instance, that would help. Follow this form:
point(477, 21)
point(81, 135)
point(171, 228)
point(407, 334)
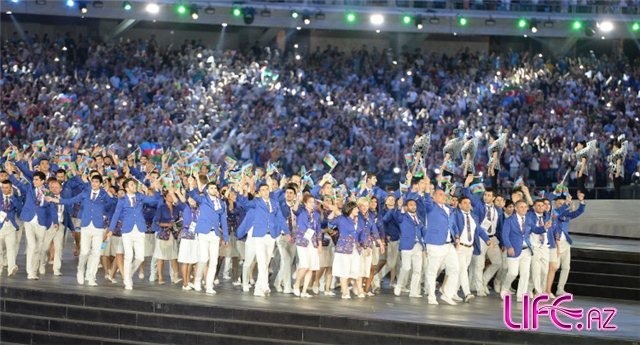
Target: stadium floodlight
point(351, 17)
point(463, 21)
point(533, 25)
point(406, 20)
point(237, 12)
point(152, 8)
point(181, 9)
point(419, 24)
point(576, 25)
point(71, 3)
point(635, 27)
point(194, 12)
point(83, 7)
point(295, 14)
point(306, 19)
point(522, 23)
point(127, 6)
point(376, 19)
point(606, 26)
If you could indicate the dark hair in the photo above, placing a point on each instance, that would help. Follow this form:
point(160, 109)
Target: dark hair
point(292, 186)
point(61, 171)
point(306, 198)
point(126, 182)
point(262, 185)
point(582, 142)
point(52, 180)
point(91, 172)
point(40, 175)
point(463, 198)
point(97, 177)
point(508, 203)
point(7, 182)
point(210, 184)
point(348, 208)
point(490, 190)
point(539, 201)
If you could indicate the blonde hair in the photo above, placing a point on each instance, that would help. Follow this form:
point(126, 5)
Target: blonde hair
point(362, 200)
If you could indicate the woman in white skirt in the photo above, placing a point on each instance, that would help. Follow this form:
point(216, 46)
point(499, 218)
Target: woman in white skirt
point(188, 253)
point(346, 262)
point(308, 245)
point(328, 238)
point(167, 213)
point(114, 247)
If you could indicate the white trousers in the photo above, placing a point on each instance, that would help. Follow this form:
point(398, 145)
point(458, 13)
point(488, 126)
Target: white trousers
point(564, 262)
point(90, 242)
point(287, 252)
point(464, 260)
point(208, 249)
point(437, 255)
point(133, 243)
point(35, 245)
point(519, 265)
point(57, 237)
point(480, 279)
point(393, 253)
point(260, 248)
point(411, 261)
point(8, 241)
point(539, 268)
point(19, 235)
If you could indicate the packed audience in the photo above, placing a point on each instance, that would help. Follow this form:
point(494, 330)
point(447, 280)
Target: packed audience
point(364, 106)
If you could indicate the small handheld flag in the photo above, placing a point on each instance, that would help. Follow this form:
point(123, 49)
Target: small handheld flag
point(330, 161)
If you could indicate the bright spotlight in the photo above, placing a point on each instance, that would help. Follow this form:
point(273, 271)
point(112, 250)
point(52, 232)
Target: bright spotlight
point(377, 19)
point(152, 8)
point(606, 26)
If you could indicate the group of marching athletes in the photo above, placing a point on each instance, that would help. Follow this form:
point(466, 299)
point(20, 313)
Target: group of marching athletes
point(240, 225)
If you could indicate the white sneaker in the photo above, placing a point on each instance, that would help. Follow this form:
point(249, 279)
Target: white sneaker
point(415, 296)
point(397, 291)
point(370, 294)
point(432, 300)
point(57, 273)
point(561, 292)
point(456, 298)
point(141, 276)
point(211, 291)
point(236, 283)
point(361, 295)
point(346, 296)
point(296, 292)
point(258, 294)
point(197, 288)
point(287, 291)
point(33, 277)
point(92, 283)
point(278, 287)
point(187, 288)
point(128, 287)
point(448, 300)
point(80, 278)
point(42, 270)
point(245, 288)
point(226, 277)
point(315, 290)
point(503, 294)
point(216, 281)
point(13, 271)
point(305, 295)
point(329, 293)
point(482, 294)
point(468, 298)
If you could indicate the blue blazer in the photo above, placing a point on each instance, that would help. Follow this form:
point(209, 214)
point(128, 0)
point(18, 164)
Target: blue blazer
point(479, 233)
point(132, 215)
point(420, 203)
point(12, 210)
point(47, 213)
point(479, 208)
point(438, 222)
point(390, 225)
point(349, 238)
point(512, 235)
point(24, 167)
point(565, 218)
point(369, 228)
point(261, 219)
point(210, 218)
point(304, 222)
point(92, 211)
point(410, 231)
point(163, 215)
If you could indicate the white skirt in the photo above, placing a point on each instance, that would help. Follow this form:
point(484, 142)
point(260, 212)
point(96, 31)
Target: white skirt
point(188, 253)
point(165, 250)
point(113, 247)
point(149, 244)
point(375, 256)
point(347, 265)
point(308, 257)
point(365, 261)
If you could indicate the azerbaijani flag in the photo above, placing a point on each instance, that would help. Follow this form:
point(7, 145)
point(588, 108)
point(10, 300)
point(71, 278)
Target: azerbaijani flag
point(152, 150)
point(511, 91)
point(330, 160)
point(408, 158)
point(404, 187)
point(230, 162)
point(519, 183)
point(246, 168)
point(64, 160)
point(39, 144)
point(477, 188)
